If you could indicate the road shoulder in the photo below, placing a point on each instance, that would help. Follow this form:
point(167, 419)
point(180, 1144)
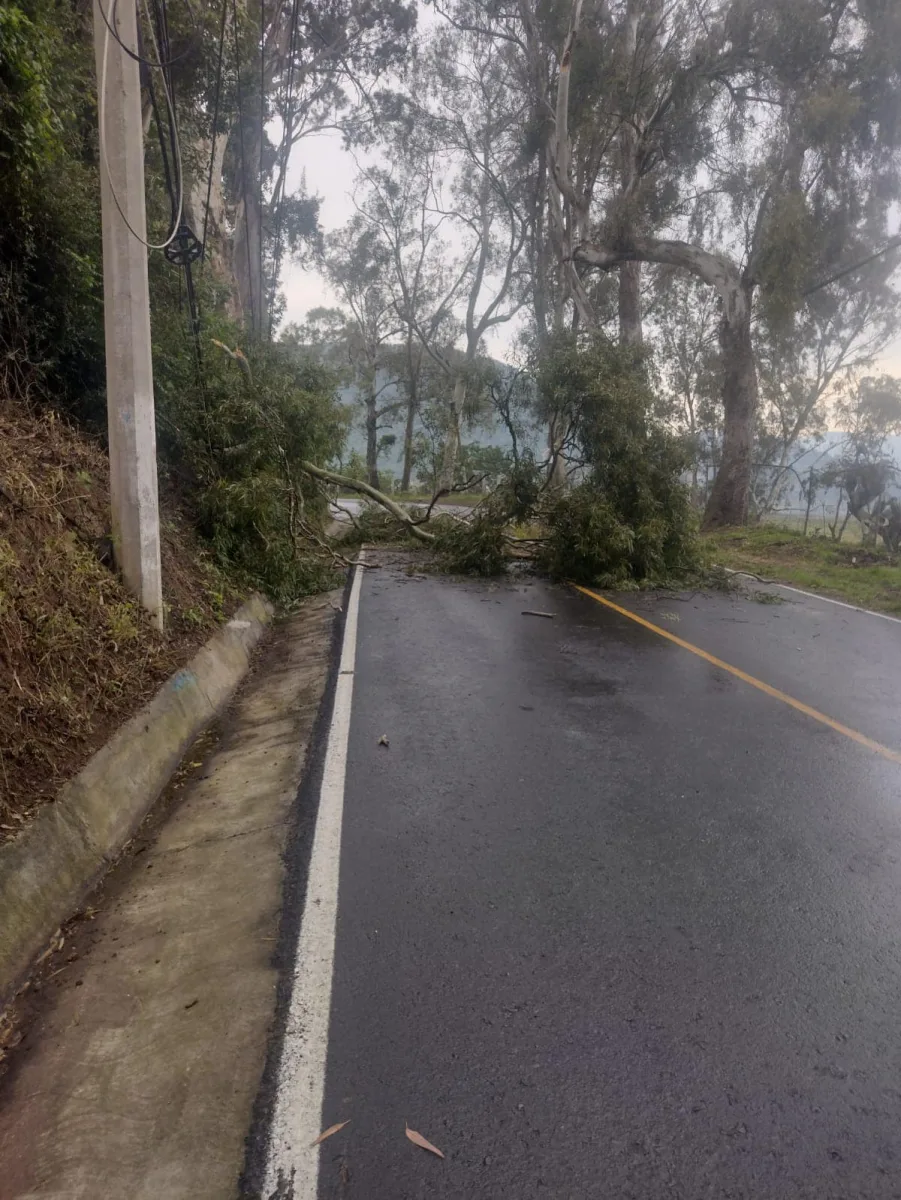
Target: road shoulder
point(138, 1074)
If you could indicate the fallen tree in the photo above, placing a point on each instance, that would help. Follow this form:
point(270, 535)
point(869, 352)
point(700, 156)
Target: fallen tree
point(366, 489)
point(624, 520)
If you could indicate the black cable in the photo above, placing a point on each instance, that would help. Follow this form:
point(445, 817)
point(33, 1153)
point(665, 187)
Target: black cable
point(184, 248)
point(243, 165)
point(195, 316)
point(286, 150)
point(262, 140)
point(161, 15)
point(864, 262)
point(160, 22)
point(157, 64)
point(216, 94)
point(164, 153)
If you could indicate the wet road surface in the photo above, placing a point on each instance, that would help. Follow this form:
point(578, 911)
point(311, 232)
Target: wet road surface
point(612, 922)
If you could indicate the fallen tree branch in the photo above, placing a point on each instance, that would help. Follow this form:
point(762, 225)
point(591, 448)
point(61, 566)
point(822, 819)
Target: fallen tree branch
point(347, 512)
point(749, 574)
point(428, 512)
point(471, 482)
point(335, 556)
point(357, 485)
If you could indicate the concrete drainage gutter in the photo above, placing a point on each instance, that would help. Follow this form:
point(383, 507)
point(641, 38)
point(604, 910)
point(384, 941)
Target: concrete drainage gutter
point(49, 869)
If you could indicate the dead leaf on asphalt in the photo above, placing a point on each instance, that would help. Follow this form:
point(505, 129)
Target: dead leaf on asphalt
point(327, 1133)
point(383, 740)
point(418, 1140)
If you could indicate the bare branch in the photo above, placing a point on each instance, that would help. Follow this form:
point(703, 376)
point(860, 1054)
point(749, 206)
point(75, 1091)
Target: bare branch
point(357, 485)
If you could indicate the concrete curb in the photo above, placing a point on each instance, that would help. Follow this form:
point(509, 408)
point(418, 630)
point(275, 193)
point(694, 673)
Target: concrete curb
point(47, 871)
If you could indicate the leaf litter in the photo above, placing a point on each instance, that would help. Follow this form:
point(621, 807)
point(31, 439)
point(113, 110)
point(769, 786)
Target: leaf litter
point(327, 1133)
point(418, 1140)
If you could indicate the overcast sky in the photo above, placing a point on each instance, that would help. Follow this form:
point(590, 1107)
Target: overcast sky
point(330, 173)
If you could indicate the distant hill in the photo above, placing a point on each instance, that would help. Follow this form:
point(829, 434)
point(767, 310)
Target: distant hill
point(830, 448)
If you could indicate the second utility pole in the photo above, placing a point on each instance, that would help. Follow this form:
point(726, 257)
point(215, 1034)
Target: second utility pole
point(126, 306)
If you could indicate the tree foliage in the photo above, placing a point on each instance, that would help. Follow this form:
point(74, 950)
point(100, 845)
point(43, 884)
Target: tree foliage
point(235, 439)
point(50, 313)
point(630, 518)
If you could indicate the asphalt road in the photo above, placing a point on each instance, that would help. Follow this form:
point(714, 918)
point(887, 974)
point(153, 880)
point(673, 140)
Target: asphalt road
point(613, 922)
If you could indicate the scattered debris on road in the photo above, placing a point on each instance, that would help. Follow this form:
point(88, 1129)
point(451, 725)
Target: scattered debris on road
point(533, 612)
point(418, 1140)
point(327, 1133)
point(383, 740)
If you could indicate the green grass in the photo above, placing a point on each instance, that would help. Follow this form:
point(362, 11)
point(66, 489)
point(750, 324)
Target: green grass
point(870, 578)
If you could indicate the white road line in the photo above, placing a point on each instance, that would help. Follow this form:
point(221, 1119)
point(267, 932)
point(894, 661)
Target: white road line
point(297, 1118)
point(816, 596)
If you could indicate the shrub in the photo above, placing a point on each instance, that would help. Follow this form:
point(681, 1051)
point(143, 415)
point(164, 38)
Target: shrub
point(630, 520)
point(235, 442)
point(586, 541)
point(374, 524)
point(474, 547)
point(51, 319)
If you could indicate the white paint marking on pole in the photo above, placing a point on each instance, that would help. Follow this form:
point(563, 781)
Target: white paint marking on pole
point(816, 596)
point(297, 1118)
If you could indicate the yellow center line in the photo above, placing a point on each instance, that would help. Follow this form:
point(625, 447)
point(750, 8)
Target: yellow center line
point(860, 738)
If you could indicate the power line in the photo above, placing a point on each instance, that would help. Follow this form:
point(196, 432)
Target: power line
point(243, 163)
point(216, 94)
point(262, 141)
point(287, 135)
point(158, 63)
point(101, 124)
point(184, 249)
point(864, 262)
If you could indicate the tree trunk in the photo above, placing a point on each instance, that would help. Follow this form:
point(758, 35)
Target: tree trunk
point(414, 364)
point(728, 502)
point(408, 442)
point(357, 485)
point(372, 442)
point(218, 254)
point(247, 241)
point(809, 500)
point(630, 329)
point(557, 474)
point(452, 441)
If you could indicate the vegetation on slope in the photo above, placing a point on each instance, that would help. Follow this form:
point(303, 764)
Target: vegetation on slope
point(77, 654)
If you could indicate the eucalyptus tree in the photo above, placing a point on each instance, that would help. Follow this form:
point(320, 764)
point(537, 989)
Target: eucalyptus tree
point(359, 267)
point(801, 103)
point(454, 210)
point(239, 71)
point(469, 113)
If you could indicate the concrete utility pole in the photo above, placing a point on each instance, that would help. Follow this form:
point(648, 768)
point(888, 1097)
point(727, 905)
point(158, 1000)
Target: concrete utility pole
point(126, 300)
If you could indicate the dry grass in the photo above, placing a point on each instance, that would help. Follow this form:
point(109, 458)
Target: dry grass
point(77, 655)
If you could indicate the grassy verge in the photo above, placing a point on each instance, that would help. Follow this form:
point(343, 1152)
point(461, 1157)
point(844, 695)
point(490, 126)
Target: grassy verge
point(870, 578)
